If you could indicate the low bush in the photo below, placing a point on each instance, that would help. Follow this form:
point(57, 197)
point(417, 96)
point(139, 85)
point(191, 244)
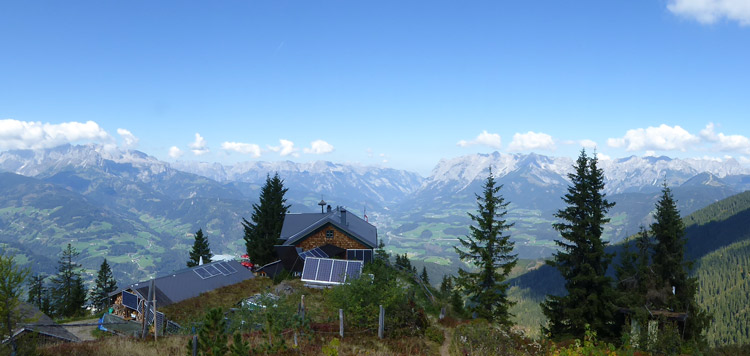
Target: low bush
point(435, 334)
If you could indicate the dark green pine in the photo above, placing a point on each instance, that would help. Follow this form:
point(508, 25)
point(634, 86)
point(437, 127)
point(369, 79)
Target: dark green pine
point(490, 249)
point(264, 229)
point(582, 260)
point(200, 249)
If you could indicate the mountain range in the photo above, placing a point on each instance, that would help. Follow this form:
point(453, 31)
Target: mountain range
point(140, 212)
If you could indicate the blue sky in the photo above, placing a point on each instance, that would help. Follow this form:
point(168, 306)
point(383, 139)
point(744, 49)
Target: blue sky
point(399, 84)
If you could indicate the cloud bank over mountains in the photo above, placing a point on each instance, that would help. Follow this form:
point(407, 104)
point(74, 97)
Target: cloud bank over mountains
point(709, 142)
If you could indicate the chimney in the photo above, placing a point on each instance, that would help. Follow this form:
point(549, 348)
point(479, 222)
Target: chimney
point(343, 215)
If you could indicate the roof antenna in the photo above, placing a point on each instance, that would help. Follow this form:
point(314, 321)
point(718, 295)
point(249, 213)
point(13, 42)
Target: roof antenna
point(322, 204)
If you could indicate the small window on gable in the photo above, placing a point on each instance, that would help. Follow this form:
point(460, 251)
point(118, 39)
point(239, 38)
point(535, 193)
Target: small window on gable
point(329, 234)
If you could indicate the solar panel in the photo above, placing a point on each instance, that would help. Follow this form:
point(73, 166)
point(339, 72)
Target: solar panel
point(324, 270)
point(353, 269)
point(339, 271)
point(310, 269)
point(201, 272)
point(318, 252)
point(160, 318)
point(130, 300)
point(330, 271)
point(222, 269)
point(212, 270)
point(229, 267)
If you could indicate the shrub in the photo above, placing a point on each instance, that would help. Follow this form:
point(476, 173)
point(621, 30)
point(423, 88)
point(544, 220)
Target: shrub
point(435, 334)
point(481, 338)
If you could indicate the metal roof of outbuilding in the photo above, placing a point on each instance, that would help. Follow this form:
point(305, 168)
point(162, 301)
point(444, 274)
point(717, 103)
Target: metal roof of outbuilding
point(187, 283)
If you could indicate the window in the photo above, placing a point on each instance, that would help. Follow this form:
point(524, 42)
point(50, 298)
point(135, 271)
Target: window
point(329, 234)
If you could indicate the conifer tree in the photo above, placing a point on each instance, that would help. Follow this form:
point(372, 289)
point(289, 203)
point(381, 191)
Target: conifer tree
point(212, 338)
point(105, 283)
point(581, 260)
point(671, 269)
point(68, 291)
point(37, 291)
point(634, 279)
point(446, 286)
point(267, 219)
point(425, 278)
point(200, 249)
point(490, 249)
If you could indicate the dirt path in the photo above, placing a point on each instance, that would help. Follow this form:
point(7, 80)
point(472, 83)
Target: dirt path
point(82, 332)
point(446, 344)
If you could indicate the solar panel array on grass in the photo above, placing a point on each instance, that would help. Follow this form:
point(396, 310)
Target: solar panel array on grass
point(330, 271)
point(359, 255)
point(220, 268)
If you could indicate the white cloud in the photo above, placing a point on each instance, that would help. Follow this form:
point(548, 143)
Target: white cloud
point(199, 145)
point(650, 153)
point(319, 147)
point(128, 139)
point(485, 138)
point(711, 11)
point(708, 133)
point(15, 134)
point(531, 141)
point(175, 152)
point(603, 157)
point(286, 148)
point(744, 160)
point(733, 143)
point(665, 138)
point(726, 143)
point(587, 143)
point(240, 147)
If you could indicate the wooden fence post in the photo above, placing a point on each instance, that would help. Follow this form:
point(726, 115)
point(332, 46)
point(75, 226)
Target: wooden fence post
point(341, 323)
point(381, 322)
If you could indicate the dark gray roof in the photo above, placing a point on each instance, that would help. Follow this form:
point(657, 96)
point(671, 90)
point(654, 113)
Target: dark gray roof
point(272, 269)
point(33, 320)
point(298, 226)
point(186, 283)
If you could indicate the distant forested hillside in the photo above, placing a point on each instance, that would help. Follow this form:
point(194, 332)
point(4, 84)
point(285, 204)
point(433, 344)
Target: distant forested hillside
point(724, 277)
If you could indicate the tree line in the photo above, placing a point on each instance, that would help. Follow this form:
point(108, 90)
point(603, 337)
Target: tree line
point(652, 277)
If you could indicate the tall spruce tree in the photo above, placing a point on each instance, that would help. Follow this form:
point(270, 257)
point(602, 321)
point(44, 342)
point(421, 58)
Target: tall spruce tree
point(635, 277)
point(424, 276)
point(105, 283)
point(37, 291)
point(446, 286)
point(200, 249)
point(671, 268)
point(490, 249)
point(267, 219)
point(68, 290)
point(582, 260)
